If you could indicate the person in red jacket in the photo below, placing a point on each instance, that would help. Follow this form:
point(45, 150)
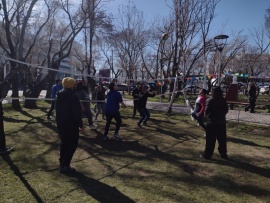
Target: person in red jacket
point(198, 112)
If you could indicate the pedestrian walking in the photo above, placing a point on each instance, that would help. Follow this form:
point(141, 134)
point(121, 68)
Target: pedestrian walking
point(68, 120)
point(252, 97)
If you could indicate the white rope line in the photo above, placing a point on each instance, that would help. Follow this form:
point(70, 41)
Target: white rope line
point(50, 99)
point(68, 72)
point(91, 76)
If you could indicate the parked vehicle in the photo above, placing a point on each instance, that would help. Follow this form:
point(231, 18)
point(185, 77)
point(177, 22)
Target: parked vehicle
point(264, 89)
point(192, 89)
point(122, 87)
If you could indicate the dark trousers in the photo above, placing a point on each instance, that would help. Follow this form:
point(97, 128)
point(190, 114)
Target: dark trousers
point(145, 115)
point(69, 142)
point(87, 112)
point(199, 119)
point(100, 107)
point(117, 118)
point(51, 109)
point(135, 106)
point(215, 132)
point(251, 106)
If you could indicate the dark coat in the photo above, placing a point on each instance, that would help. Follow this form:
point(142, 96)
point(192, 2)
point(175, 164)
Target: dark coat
point(216, 111)
point(143, 99)
point(68, 110)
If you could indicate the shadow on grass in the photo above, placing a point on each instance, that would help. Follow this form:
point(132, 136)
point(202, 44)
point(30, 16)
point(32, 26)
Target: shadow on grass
point(100, 191)
point(236, 163)
point(245, 142)
point(17, 172)
point(29, 122)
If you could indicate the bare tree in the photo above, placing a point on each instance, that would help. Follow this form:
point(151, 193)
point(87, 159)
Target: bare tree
point(128, 39)
point(18, 27)
point(189, 32)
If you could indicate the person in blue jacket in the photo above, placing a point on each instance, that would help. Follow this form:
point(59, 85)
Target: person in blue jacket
point(55, 88)
point(68, 121)
point(114, 98)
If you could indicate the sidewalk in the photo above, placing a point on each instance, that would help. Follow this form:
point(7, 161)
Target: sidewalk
point(235, 115)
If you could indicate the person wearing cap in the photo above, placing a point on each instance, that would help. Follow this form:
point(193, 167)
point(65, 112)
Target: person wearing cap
point(198, 112)
point(68, 121)
point(55, 88)
point(135, 94)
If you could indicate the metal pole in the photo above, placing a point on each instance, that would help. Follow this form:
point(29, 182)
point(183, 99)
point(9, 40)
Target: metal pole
point(219, 67)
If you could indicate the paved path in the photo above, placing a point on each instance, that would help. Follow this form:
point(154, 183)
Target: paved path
point(236, 115)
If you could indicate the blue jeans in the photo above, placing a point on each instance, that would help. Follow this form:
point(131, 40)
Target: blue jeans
point(145, 115)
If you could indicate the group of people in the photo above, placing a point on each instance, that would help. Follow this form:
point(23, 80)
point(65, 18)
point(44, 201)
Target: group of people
point(72, 102)
point(69, 110)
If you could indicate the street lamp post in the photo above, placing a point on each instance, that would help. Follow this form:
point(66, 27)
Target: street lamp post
point(220, 42)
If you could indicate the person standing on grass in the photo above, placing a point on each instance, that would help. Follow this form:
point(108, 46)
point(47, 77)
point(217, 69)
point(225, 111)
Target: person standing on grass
point(83, 95)
point(144, 113)
point(56, 87)
point(216, 110)
point(135, 94)
point(198, 112)
point(68, 121)
point(100, 102)
point(114, 98)
point(252, 96)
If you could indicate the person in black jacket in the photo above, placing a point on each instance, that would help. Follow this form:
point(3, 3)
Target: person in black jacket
point(144, 113)
point(68, 120)
point(135, 94)
point(251, 98)
point(216, 110)
point(100, 102)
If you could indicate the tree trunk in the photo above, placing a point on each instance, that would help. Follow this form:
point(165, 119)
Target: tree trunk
point(36, 89)
point(2, 132)
point(15, 93)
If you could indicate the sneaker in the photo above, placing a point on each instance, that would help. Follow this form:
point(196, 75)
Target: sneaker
point(204, 157)
point(66, 169)
point(225, 156)
point(116, 136)
point(105, 137)
point(6, 150)
point(145, 124)
point(139, 126)
point(93, 126)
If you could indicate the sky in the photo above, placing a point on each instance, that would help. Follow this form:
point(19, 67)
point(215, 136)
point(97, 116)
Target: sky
point(231, 17)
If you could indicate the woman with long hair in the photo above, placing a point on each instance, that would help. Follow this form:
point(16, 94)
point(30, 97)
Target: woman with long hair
point(216, 110)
